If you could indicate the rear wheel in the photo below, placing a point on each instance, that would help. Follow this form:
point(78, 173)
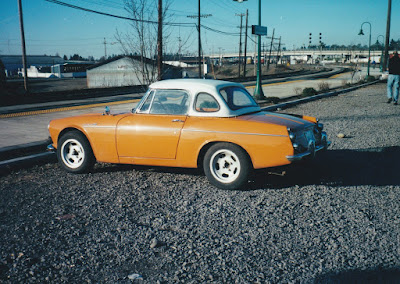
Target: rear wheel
point(74, 153)
point(227, 166)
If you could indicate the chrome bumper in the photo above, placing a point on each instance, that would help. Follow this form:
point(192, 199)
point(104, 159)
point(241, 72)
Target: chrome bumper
point(312, 150)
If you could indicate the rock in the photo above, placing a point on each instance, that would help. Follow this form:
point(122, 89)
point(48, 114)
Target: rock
point(156, 243)
point(135, 276)
point(341, 135)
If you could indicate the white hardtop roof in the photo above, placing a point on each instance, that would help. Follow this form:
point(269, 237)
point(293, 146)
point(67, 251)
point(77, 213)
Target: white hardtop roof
point(193, 85)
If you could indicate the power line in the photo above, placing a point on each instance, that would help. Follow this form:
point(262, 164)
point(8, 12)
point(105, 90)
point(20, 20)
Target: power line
point(116, 16)
point(220, 32)
point(139, 20)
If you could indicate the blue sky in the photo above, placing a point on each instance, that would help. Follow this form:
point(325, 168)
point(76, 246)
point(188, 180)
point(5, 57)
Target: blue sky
point(51, 28)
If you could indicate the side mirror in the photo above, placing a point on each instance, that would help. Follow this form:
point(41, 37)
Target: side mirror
point(107, 110)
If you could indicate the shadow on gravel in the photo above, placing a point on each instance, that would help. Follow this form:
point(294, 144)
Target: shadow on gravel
point(108, 168)
point(377, 166)
point(361, 276)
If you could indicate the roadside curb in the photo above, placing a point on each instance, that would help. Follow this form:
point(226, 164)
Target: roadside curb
point(25, 155)
point(26, 162)
point(15, 151)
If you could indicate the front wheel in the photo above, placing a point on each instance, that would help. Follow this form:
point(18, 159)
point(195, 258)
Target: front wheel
point(74, 153)
point(227, 166)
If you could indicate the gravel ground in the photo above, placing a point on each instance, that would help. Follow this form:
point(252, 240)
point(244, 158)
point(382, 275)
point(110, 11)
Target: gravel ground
point(334, 220)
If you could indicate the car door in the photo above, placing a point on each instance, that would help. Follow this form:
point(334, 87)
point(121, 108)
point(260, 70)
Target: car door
point(153, 131)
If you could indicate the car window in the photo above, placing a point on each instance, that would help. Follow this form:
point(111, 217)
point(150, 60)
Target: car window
point(206, 103)
point(237, 97)
point(146, 104)
point(170, 102)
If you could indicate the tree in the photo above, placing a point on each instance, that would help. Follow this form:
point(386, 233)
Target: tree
point(76, 57)
point(142, 38)
point(394, 45)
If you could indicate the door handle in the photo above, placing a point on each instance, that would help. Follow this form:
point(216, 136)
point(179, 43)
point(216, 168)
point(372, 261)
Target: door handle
point(177, 120)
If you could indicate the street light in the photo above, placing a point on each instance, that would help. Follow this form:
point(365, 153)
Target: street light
point(258, 91)
point(383, 39)
point(369, 44)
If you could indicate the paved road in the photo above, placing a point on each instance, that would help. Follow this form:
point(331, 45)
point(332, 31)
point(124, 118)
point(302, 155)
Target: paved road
point(26, 127)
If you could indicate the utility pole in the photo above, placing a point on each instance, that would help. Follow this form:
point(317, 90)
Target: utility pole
point(240, 39)
point(159, 42)
point(105, 49)
point(255, 54)
point(199, 42)
point(245, 44)
point(385, 61)
point(21, 23)
point(278, 52)
point(199, 36)
point(270, 48)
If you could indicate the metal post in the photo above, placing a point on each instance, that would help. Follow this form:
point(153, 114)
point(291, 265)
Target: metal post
point(369, 50)
point(159, 42)
point(369, 44)
point(386, 58)
point(258, 91)
point(245, 44)
point(21, 22)
point(199, 42)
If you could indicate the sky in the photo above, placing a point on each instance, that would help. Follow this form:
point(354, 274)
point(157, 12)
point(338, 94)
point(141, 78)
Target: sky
point(54, 29)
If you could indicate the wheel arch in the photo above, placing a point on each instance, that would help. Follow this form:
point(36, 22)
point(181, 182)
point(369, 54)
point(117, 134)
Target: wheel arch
point(70, 129)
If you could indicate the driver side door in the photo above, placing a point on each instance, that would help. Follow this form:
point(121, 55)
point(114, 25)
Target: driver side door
point(154, 130)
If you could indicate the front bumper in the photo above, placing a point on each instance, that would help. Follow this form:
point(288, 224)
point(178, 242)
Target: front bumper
point(311, 150)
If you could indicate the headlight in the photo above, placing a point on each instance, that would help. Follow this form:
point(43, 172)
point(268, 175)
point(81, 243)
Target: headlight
point(292, 136)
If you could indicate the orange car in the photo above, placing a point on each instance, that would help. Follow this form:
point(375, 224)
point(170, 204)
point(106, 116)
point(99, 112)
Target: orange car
point(189, 123)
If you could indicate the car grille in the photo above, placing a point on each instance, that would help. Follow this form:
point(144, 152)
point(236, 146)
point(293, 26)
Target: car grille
point(305, 137)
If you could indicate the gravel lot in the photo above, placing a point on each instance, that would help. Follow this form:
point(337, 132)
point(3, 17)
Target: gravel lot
point(334, 220)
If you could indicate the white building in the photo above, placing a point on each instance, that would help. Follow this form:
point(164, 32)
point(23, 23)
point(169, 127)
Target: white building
point(126, 71)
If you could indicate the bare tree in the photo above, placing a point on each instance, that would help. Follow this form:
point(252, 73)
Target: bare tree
point(141, 40)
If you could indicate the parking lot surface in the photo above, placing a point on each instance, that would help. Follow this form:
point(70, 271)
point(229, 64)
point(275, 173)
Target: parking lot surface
point(335, 220)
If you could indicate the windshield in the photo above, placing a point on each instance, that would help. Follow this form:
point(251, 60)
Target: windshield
point(237, 98)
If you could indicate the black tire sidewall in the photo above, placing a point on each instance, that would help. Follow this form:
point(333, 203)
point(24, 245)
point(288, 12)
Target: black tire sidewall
point(88, 160)
point(245, 166)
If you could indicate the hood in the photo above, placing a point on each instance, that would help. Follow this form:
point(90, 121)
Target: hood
point(277, 119)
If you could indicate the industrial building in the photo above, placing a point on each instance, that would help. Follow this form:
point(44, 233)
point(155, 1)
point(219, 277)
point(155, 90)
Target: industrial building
point(13, 63)
point(127, 71)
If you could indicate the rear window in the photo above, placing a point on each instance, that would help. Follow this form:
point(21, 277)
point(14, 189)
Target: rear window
point(237, 98)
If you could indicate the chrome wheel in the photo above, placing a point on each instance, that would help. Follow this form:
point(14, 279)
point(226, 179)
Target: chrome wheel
point(72, 153)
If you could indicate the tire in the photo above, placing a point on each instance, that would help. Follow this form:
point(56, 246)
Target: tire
point(227, 166)
point(74, 153)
